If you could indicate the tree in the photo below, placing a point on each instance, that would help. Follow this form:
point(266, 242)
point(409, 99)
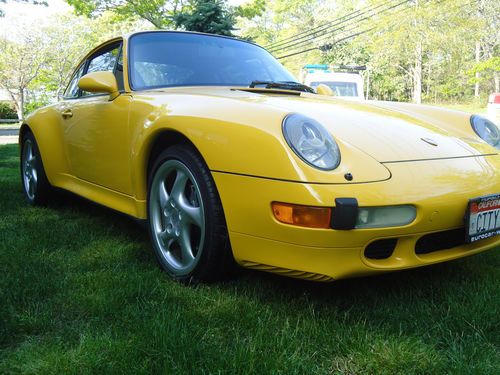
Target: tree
point(158, 12)
point(208, 16)
point(20, 64)
point(36, 65)
point(420, 50)
point(487, 16)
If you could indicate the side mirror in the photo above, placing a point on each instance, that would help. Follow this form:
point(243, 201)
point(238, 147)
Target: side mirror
point(323, 89)
point(100, 82)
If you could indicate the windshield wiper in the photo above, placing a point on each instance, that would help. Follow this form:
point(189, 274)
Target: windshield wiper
point(284, 85)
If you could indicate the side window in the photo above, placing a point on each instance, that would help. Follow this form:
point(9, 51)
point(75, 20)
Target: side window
point(103, 62)
point(72, 89)
point(119, 71)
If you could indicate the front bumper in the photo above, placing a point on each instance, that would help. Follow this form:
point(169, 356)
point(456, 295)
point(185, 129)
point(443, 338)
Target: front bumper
point(440, 190)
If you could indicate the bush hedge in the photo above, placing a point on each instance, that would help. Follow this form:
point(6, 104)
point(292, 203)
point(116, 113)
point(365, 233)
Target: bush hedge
point(7, 111)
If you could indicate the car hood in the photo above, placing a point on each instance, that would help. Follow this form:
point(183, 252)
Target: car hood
point(388, 132)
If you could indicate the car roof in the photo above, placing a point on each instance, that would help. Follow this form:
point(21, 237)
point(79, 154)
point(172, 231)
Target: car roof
point(129, 35)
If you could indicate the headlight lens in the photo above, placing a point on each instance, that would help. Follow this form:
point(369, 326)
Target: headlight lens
point(311, 142)
point(486, 129)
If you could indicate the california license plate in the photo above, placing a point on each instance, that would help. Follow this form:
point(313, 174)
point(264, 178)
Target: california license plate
point(483, 216)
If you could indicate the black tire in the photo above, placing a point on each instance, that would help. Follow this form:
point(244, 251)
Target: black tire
point(186, 220)
point(36, 186)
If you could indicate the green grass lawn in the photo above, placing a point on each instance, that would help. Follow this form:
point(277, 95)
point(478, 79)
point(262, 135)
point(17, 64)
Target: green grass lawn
point(80, 293)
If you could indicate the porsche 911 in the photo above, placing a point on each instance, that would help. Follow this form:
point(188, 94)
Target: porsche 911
point(230, 161)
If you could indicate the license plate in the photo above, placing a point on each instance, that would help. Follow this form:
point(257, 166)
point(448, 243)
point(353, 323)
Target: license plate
point(483, 218)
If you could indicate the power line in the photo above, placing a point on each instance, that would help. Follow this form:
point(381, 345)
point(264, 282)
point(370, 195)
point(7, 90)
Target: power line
point(279, 42)
point(308, 32)
point(337, 41)
point(322, 28)
point(330, 32)
point(367, 30)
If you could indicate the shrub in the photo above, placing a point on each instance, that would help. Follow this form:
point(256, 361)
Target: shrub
point(7, 111)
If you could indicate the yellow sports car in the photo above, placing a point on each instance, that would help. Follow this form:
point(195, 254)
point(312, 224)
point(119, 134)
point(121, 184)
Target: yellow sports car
point(230, 160)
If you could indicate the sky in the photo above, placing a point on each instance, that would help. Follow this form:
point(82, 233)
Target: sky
point(19, 15)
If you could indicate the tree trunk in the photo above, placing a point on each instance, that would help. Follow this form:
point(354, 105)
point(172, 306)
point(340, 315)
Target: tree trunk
point(20, 104)
point(367, 83)
point(417, 69)
point(417, 74)
point(478, 59)
point(496, 77)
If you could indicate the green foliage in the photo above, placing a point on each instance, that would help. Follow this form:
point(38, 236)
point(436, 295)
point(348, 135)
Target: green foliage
point(33, 105)
point(485, 69)
point(251, 9)
point(207, 16)
point(7, 111)
point(158, 12)
point(210, 16)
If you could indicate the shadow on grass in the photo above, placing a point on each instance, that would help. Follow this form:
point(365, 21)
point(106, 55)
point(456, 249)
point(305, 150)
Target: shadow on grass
point(436, 287)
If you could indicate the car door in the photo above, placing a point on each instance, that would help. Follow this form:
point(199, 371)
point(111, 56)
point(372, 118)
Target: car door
point(96, 130)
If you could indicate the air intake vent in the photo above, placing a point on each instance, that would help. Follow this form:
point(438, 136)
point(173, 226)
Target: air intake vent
point(440, 241)
point(287, 272)
point(381, 249)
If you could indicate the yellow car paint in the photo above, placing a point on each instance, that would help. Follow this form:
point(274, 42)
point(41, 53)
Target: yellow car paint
point(102, 152)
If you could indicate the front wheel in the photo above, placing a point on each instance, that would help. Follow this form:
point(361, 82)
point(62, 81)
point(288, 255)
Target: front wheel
point(186, 220)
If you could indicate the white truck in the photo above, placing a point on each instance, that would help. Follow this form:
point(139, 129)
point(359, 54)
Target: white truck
point(493, 109)
point(345, 81)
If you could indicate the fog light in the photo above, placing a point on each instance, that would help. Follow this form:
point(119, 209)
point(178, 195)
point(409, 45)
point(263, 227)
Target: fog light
point(304, 216)
point(387, 216)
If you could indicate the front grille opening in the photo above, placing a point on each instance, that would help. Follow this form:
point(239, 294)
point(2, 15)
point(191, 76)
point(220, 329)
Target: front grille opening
point(440, 241)
point(381, 249)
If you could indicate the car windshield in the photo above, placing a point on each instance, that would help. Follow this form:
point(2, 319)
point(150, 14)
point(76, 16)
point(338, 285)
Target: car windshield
point(340, 88)
point(165, 59)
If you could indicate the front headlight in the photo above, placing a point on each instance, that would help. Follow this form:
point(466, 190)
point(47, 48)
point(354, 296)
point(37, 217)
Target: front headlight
point(486, 129)
point(311, 141)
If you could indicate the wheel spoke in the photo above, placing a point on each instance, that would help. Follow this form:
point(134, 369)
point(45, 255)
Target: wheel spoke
point(29, 152)
point(163, 194)
point(185, 244)
point(193, 214)
point(179, 185)
point(31, 186)
point(34, 175)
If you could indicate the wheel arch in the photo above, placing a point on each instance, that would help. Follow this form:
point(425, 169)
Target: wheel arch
point(25, 128)
point(158, 142)
point(45, 126)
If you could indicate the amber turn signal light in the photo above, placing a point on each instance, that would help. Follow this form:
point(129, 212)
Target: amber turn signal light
point(304, 216)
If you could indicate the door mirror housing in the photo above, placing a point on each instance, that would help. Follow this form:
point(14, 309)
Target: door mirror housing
point(100, 82)
point(323, 89)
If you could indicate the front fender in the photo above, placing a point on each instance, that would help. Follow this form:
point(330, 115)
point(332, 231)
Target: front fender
point(238, 138)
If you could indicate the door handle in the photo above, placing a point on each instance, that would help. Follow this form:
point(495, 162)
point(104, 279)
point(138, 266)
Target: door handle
point(67, 113)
